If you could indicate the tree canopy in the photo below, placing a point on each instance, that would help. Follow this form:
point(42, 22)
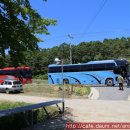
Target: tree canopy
point(19, 24)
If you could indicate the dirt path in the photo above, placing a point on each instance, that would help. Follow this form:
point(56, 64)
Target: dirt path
point(84, 109)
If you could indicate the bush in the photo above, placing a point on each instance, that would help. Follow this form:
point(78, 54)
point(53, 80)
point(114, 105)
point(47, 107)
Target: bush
point(81, 90)
point(41, 76)
point(7, 105)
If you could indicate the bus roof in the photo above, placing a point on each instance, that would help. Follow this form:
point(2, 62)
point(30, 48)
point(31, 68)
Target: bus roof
point(65, 64)
point(13, 68)
point(117, 62)
point(90, 62)
point(101, 61)
point(94, 62)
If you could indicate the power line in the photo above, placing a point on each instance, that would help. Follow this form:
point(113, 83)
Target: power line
point(103, 2)
point(70, 49)
point(103, 32)
point(90, 33)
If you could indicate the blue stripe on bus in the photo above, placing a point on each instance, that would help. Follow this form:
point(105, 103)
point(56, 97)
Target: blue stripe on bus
point(75, 79)
point(94, 78)
point(51, 79)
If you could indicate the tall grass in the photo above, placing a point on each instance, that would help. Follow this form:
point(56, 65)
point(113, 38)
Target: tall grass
point(40, 81)
point(46, 90)
point(7, 104)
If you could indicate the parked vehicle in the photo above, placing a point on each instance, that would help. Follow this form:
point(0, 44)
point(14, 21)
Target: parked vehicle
point(11, 86)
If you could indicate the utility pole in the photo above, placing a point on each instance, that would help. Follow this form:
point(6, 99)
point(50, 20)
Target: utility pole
point(70, 49)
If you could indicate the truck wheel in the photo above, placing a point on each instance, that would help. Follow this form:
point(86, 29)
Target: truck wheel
point(7, 91)
point(109, 82)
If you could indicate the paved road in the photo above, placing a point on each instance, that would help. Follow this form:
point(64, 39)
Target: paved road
point(113, 93)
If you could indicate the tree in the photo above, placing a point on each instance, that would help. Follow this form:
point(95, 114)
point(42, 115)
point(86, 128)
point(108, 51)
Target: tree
point(19, 24)
point(82, 53)
point(64, 52)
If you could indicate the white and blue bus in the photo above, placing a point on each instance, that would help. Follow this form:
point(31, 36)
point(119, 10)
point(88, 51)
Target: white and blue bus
point(93, 72)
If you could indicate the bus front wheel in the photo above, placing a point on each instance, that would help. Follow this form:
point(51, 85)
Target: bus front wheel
point(109, 82)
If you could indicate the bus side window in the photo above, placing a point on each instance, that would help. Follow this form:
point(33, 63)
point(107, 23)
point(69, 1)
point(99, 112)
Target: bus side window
point(109, 66)
point(86, 67)
point(98, 67)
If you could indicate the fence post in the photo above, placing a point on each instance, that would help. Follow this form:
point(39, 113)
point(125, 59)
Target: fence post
point(63, 106)
point(32, 118)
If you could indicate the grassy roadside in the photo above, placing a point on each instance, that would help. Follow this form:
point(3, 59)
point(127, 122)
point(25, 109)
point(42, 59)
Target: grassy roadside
point(38, 88)
point(21, 120)
point(8, 105)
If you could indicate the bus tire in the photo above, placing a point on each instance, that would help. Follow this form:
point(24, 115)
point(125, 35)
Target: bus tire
point(65, 81)
point(7, 91)
point(109, 82)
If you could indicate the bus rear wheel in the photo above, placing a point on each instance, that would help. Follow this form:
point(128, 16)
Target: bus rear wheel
point(109, 82)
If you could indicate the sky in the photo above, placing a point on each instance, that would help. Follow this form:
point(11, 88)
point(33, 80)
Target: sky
point(83, 20)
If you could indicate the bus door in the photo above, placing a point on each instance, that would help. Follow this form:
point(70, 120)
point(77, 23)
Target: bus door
point(124, 71)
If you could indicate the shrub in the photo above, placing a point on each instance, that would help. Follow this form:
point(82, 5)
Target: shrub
point(81, 90)
point(41, 76)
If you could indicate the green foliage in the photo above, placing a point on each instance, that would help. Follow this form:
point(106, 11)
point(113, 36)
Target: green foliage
point(81, 90)
point(19, 24)
point(41, 76)
point(81, 53)
point(6, 105)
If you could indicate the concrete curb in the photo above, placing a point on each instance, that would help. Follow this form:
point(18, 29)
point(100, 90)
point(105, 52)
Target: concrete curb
point(94, 94)
point(129, 98)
